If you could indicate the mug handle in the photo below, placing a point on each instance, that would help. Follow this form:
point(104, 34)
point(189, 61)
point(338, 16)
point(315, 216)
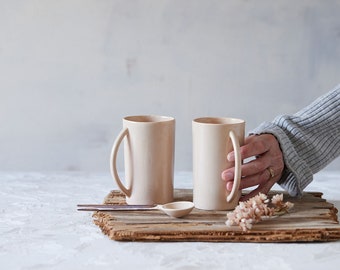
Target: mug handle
point(113, 161)
point(237, 175)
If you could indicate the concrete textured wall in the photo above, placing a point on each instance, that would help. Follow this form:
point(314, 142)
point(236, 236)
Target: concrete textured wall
point(71, 69)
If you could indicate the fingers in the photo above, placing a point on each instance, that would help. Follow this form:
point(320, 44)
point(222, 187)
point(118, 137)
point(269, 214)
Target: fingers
point(256, 166)
point(263, 171)
point(253, 180)
point(253, 146)
point(267, 152)
point(254, 170)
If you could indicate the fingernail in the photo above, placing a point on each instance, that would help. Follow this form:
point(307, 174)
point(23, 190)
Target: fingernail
point(231, 156)
point(229, 186)
point(227, 176)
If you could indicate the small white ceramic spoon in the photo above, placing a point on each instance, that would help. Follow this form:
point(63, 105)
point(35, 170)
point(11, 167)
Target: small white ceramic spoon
point(173, 209)
point(177, 209)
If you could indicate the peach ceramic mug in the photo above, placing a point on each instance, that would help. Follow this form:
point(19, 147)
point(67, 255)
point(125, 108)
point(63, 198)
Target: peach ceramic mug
point(148, 159)
point(213, 139)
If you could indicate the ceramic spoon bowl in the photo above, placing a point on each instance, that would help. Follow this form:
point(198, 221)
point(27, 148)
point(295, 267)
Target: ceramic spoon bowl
point(177, 209)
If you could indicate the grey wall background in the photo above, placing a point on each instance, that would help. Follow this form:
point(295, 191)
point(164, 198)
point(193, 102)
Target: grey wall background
point(70, 70)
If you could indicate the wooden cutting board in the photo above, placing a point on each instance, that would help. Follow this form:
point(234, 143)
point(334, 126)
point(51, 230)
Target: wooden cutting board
point(312, 219)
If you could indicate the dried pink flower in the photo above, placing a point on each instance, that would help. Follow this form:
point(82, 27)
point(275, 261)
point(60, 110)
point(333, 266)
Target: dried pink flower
point(277, 199)
point(252, 211)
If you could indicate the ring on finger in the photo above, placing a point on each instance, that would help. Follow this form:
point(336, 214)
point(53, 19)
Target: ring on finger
point(271, 172)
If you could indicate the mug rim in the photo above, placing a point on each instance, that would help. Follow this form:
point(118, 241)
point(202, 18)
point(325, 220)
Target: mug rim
point(148, 118)
point(211, 120)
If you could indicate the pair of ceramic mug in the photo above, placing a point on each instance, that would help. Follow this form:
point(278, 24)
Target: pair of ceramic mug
point(149, 147)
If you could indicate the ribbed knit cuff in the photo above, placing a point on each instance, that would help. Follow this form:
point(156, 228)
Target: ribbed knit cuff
point(296, 175)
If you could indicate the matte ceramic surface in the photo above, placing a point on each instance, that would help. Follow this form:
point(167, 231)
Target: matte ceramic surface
point(213, 139)
point(148, 158)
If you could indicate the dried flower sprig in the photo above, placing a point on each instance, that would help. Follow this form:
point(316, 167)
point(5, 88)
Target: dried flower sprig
point(252, 211)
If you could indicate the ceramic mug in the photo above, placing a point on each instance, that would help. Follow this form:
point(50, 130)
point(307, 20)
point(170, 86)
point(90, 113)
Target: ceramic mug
point(213, 139)
point(149, 148)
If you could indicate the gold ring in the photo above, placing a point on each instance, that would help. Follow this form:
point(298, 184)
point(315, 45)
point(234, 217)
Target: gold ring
point(271, 172)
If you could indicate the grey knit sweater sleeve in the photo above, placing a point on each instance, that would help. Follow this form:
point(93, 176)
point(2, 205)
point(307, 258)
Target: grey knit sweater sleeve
point(309, 140)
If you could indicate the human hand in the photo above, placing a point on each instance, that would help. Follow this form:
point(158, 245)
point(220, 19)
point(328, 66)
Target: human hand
point(263, 171)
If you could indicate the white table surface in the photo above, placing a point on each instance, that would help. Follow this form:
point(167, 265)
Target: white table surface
point(41, 229)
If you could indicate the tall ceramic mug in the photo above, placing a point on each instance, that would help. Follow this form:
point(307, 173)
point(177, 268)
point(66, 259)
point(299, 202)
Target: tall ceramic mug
point(213, 139)
point(148, 159)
